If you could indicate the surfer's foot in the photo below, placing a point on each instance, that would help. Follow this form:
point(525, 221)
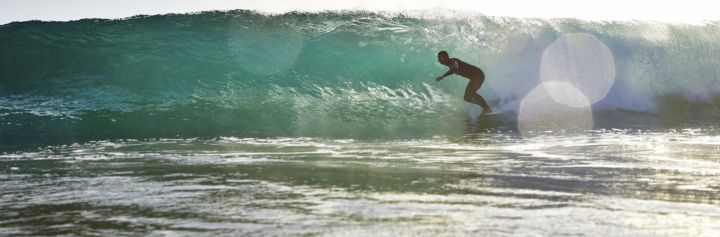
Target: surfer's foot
point(487, 111)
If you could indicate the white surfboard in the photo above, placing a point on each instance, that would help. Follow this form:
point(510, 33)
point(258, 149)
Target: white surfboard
point(491, 113)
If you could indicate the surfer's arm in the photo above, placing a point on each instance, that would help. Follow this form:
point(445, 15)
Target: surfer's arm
point(448, 73)
point(452, 68)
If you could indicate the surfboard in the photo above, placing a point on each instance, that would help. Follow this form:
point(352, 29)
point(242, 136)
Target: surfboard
point(490, 114)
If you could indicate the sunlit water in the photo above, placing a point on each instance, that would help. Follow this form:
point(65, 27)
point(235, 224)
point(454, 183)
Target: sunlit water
point(620, 183)
point(330, 124)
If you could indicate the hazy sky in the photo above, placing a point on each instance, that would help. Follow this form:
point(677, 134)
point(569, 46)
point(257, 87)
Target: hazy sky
point(682, 11)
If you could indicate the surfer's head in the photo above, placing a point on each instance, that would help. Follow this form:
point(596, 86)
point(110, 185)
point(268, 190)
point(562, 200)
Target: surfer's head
point(443, 57)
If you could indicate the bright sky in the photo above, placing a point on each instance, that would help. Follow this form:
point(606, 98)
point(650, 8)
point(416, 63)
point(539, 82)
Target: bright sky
point(676, 11)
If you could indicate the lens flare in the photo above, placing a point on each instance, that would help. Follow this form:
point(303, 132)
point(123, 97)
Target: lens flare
point(541, 113)
point(581, 60)
point(264, 51)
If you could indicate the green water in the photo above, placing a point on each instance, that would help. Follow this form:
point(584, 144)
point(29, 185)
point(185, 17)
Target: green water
point(358, 75)
point(330, 124)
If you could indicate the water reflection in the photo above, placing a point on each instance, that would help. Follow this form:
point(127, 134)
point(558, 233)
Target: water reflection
point(493, 183)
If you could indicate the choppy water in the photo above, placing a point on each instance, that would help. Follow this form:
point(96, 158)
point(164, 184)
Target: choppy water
point(329, 124)
point(618, 183)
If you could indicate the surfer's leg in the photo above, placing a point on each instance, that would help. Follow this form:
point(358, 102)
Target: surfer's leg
point(483, 104)
point(472, 96)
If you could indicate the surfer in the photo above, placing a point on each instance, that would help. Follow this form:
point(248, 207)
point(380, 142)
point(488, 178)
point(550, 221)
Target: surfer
point(476, 76)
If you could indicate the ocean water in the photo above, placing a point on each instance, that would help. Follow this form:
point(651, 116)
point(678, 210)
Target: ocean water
point(331, 124)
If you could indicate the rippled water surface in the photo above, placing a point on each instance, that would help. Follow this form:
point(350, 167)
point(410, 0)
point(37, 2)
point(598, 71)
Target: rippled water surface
point(605, 183)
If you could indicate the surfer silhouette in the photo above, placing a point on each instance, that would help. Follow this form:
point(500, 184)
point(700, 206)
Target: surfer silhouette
point(476, 76)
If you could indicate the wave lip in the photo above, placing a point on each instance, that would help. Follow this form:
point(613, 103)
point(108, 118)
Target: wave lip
point(334, 74)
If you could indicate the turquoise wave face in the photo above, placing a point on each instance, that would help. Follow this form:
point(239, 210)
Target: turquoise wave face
point(335, 74)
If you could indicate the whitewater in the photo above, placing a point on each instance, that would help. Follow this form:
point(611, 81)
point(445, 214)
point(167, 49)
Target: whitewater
point(331, 124)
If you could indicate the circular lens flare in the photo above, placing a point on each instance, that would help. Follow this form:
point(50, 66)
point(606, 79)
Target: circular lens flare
point(541, 113)
point(581, 60)
point(264, 50)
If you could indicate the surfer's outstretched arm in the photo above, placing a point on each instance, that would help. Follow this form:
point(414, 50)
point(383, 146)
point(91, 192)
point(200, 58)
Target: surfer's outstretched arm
point(448, 73)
